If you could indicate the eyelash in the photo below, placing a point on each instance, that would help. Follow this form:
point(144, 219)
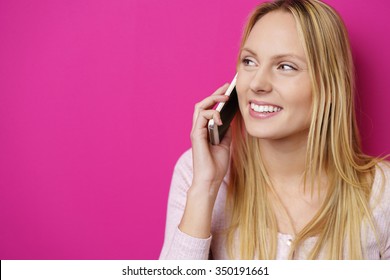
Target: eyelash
point(247, 61)
point(288, 65)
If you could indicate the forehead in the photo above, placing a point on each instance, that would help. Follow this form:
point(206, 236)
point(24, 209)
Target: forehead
point(274, 34)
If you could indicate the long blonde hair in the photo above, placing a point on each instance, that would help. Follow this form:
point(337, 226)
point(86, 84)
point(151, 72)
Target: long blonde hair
point(333, 146)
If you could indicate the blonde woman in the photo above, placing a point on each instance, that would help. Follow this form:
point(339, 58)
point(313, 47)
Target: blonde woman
point(289, 180)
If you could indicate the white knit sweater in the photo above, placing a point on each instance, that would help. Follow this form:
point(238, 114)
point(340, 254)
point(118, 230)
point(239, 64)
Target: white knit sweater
point(178, 245)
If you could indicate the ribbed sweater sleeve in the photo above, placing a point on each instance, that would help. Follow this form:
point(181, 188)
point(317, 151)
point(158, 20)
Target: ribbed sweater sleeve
point(178, 245)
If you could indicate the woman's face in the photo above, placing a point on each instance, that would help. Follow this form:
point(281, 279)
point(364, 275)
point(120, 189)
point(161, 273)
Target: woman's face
point(273, 83)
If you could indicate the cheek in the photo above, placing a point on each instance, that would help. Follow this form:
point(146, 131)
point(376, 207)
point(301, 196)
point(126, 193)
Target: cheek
point(242, 101)
point(307, 97)
point(303, 104)
point(301, 94)
point(304, 101)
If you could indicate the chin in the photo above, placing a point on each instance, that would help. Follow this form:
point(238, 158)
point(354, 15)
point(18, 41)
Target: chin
point(262, 133)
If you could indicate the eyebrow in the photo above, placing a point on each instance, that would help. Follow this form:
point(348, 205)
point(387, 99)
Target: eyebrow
point(279, 56)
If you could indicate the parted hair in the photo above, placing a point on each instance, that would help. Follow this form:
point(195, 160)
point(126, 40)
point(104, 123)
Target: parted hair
point(333, 147)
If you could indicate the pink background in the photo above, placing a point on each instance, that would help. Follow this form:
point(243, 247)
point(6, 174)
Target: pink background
point(96, 101)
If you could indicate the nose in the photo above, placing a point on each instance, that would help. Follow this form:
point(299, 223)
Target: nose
point(261, 82)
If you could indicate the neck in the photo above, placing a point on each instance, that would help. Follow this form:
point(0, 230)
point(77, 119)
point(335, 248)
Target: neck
point(285, 159)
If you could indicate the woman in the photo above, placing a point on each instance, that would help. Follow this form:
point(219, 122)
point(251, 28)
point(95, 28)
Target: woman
point(289, 180)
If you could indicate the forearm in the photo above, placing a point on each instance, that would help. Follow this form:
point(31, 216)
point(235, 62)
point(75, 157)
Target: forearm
point(196, 220)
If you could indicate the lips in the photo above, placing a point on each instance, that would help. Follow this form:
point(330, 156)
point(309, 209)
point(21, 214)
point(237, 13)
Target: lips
point(262, 110)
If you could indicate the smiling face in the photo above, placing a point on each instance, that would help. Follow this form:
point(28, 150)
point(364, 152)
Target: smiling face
point(273, 84)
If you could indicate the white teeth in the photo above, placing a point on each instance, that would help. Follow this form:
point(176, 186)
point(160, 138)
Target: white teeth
point(265, 109)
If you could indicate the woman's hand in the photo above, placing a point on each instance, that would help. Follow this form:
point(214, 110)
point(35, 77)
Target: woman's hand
point(210, 164)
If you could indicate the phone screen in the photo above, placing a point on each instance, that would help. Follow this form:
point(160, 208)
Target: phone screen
point(227, 111)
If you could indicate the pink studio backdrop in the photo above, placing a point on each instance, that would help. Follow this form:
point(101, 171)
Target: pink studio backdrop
point(96, 101)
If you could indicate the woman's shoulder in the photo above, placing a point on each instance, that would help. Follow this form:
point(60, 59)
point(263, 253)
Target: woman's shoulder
point(184, 163)
point(382, 173)
point(182, 172)
point(379, 202)
point(380, 196)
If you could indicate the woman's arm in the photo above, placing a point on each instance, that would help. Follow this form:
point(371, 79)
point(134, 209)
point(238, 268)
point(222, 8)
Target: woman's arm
point(195, 186)
point(177, 244)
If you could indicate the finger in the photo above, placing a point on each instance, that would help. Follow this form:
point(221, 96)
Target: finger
point(217, 118)
point(214, 98)
point(203, 118)
point(208, 103)
point(221, 90)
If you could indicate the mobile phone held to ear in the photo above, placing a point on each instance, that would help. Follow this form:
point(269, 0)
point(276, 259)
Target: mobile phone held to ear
point(227, 111)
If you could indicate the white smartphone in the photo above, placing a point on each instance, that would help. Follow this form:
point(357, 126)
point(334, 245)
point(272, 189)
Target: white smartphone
point(227, 112)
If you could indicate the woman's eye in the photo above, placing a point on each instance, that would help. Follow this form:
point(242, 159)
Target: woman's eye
point(248, 62)
point(286, 67)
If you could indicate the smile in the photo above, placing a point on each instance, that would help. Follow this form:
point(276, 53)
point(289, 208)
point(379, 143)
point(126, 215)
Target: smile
point(263, 111)
point(264, 108)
